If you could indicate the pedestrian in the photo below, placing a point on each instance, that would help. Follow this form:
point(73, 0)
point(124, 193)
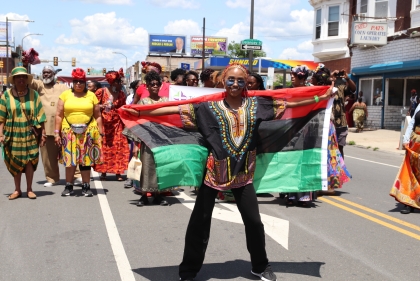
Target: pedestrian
point(205, 78)
point(93, 86)
point(255, 82)
point(177, 76)
point(217, 78)
point(360, 95)
point(191, 79)
point(22, 130)
point(142, 91)
point(49, 92)
point(413, 102)
point(360, 113)
point(78, 130)
point(115, 150)
point(227, 124)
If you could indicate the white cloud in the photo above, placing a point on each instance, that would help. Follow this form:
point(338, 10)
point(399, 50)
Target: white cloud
point(109, 2)
point(104, 30)
point(295, 54)
point(306, 46)
point(183, 4)
point(235, 33)
point(238, 3)
point(188, 27)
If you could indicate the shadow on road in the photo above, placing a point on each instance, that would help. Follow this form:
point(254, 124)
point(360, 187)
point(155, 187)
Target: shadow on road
point(231, 270)
point(38, 193)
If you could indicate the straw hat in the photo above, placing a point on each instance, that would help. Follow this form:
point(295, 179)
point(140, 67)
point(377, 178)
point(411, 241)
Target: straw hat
point(20, 70)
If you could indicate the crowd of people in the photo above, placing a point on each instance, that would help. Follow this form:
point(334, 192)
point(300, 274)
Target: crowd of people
point(80, 127)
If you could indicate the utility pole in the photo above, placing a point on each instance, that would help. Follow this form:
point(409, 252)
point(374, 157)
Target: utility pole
point(203, 54)
point(251, 36)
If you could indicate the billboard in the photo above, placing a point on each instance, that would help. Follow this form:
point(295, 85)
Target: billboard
point(3, 31)
point(216, 46)
point(167, 43)
point(3, 52)
point(370, 33)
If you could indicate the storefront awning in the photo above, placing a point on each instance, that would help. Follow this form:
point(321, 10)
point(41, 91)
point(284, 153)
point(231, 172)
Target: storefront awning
point(386, 67)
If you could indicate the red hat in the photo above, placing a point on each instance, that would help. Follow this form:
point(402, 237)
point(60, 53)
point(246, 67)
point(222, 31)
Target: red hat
point(413, 91)
point(78, 73)
point(113, 75)
point(156, 67)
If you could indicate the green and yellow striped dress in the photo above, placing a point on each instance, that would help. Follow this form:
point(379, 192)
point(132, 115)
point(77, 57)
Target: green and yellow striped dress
point(20, 144)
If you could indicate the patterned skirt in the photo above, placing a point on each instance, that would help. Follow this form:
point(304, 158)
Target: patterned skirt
point(336, 169)
point(81, 149)
point(406, 189)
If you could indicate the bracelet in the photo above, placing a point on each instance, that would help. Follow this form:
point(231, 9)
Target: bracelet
point(316, 98)
point(56, 131)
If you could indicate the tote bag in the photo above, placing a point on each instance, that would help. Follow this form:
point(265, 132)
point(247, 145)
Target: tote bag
point(134, 169)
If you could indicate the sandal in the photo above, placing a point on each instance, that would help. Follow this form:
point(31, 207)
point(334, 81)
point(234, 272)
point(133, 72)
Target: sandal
point(119, 177)
point(15, 195)
point(103, 177)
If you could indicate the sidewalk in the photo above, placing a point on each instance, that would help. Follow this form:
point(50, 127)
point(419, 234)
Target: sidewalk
point(380, 140)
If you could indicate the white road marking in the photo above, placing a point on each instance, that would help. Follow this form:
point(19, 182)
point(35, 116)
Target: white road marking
point(277, 229)
point(121, 258)
point(346, 156)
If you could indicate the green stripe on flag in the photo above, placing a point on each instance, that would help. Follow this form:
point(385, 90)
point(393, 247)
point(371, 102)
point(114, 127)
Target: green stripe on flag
point(288, 171)
point(186, 163)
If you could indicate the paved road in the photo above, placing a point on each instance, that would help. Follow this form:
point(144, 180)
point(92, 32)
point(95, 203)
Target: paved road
point(357, 235)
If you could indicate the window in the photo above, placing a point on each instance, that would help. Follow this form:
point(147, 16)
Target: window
point(381, 8)
point(364, 6)
point(366, 88)
point(318, 24)
point(333, 17)
point(396, 92)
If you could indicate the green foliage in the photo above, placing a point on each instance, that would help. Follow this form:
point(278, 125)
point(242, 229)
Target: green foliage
point(278, 81)
point(234, 51)
point(352, 142)
point(376, 148)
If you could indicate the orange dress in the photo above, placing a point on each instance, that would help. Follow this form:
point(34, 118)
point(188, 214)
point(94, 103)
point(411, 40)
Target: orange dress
point(115, 150)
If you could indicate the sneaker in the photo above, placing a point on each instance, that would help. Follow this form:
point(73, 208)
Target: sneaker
point(49, 184)
point(86, 190)
point(143, 201)
point(78, 182)
point(128, 183)
point(267, 275)
point(68, 190)
point(160, 200)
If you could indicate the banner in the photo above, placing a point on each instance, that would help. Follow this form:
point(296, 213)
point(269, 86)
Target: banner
point(216, 46)
point(167, 44)
point(177, 93)
point(3, 31)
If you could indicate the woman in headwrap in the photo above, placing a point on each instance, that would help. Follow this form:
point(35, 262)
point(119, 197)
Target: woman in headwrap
point(78, 130)
point(115, 148)
point(21, 130)
point(142, 91)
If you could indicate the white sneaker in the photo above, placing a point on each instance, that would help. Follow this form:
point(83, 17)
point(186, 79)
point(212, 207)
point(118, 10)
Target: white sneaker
point(49, 184)
point(78, 182)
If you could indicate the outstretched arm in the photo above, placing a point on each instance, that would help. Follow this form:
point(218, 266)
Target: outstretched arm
point(154, 112)
point(328, 94)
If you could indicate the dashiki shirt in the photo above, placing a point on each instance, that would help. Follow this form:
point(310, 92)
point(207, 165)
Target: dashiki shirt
point(338, 110)
point(231, 135)
point(20, 144)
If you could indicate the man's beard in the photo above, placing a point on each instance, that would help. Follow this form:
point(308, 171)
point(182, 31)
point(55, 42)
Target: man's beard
point(47, 80)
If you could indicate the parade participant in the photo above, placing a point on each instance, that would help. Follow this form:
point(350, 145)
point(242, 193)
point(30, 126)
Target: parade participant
point(177, 76)
point(21, 130)
point(78, 130)
point(148, 179)
point(349, 101)
point(219, 123)
point(217, 78)
point(359, 111)
point(93, 86)
point(115, 150)
point(142, 91)
point(191, 79)
point(406, 186)
point(49, 91)
point(205, 78)
point(255, 82)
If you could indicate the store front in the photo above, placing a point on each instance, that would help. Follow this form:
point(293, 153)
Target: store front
point(387, 88)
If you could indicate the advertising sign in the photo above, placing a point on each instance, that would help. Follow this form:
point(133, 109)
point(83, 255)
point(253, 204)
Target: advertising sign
point(167, 44)
point(185, 66)
point(216, 46)
point(369, 33)
point(3, 31)
point(3, 52)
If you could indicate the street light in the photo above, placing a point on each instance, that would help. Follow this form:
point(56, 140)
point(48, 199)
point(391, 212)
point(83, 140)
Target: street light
point(125, 64)
point(21, 50)
point(7, 45)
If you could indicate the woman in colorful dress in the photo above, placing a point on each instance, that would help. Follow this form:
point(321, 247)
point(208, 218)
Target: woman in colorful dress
point(78, 130)
point(230, 127)
point(148, 179)
point(21, 130)
point(406, 188)
point(115, 149)
point(359, 110)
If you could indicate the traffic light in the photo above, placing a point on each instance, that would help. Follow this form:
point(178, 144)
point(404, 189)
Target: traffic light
point(104, 71)
point(73, 62)
point(55, 61)
point(88, 71)
point(163, 68)
point(1, 64)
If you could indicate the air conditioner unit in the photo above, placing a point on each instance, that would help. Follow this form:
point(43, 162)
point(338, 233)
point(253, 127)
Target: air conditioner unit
point(362, 16)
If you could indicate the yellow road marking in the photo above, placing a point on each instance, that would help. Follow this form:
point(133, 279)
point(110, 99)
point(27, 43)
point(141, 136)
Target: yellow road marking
point(393, 227)
point(379, 214)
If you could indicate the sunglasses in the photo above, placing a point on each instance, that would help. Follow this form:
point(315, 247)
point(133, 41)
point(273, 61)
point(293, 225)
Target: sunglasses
point(79, 81)
point(154, 84)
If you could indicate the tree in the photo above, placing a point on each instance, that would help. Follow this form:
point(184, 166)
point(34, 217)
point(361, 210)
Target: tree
point(234, 51)
point(278, 81)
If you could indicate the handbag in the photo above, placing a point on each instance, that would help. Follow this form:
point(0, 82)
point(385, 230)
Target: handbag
point(134, 169)
point(34, 130)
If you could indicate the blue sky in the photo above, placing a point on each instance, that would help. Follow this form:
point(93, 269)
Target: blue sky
point(91, 30)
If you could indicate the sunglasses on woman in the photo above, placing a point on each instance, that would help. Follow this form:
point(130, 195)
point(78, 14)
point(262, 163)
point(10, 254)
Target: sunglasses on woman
point(78, 81)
